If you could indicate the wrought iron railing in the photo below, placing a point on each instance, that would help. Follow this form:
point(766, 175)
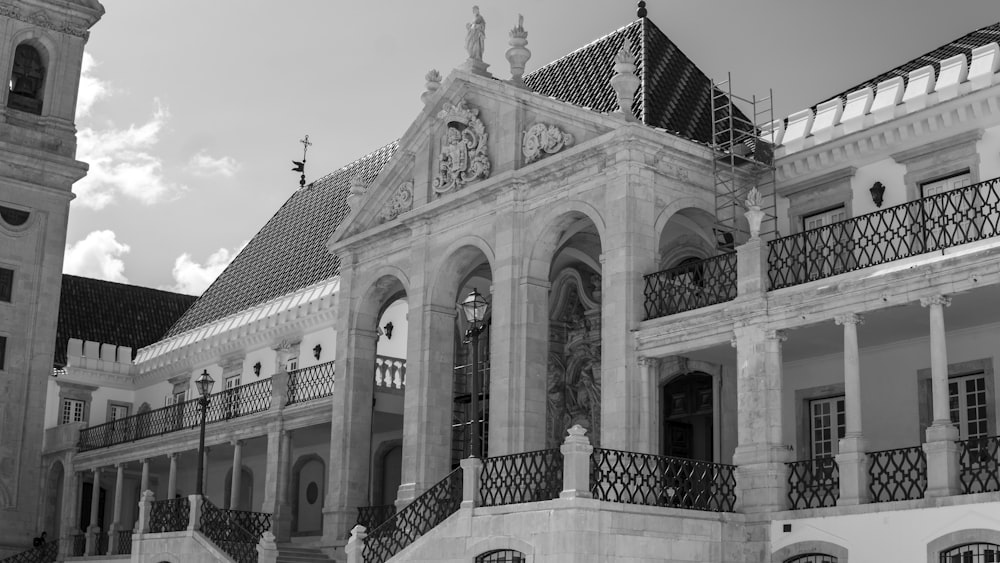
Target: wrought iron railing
point(813, 483)
point(899, 474)
point(231, 403)
point(124, 538)
point(691, 286)
point(924, 225)
point(390, 372)
point(654, 480)
point(979, 465)
point(45, 553)
point(226, 530)
point(102, 543)
point(310, 383)
point(78, 545)
point(372, 516)
point(524, 477)
point(170, 515)
point(415, 519)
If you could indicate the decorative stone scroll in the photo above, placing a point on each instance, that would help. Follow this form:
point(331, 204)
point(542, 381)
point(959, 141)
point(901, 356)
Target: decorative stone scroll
point(42, 19)
point(463, 158)
point(401, 202)
point(541, 139)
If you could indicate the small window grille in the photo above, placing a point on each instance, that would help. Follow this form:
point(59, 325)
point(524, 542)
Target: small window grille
point(6, 284)
point(72, 411)
point(501, 556)
point(812, 558)
point(972, 553)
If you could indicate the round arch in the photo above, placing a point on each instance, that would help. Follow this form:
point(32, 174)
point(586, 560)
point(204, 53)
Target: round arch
point(687, 233)
point(459, 260)
point(48, 51)
point(297, 491)
point(549, 234)
point(797, 549)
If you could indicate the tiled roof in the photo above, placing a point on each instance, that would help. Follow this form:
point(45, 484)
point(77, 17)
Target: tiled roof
point(114, 313)
point(674, 95)
point(963, 45)
point(289, 252)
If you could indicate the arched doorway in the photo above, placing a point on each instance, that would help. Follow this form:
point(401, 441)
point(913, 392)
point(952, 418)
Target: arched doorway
point(246, 489)
point(688, 417)
point(308, 492)
point(391, 473)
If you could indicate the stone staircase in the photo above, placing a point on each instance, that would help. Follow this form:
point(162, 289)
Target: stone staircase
point(292, 553)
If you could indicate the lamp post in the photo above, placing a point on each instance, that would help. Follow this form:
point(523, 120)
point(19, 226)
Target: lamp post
point(475, 308)
point(204, 384)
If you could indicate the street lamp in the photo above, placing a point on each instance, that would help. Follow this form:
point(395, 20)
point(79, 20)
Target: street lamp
point(475, 308)
point(204, 384)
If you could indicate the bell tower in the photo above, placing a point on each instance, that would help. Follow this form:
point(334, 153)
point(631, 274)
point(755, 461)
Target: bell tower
point(41, 52)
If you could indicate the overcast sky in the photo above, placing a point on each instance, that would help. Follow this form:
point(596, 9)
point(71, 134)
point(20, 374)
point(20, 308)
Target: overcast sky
point(191, 110)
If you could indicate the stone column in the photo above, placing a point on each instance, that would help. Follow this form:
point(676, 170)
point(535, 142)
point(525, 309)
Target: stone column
point(117, 511)
point(172, 479)
point(144, 482)
point(940, 447)
point(647, 423)
point(852, 460)
point(283, 516)
point(276, 477)
point(234, 489)
point(576, 450)
point(761, 452)
point(69, 523)
point(95, 499)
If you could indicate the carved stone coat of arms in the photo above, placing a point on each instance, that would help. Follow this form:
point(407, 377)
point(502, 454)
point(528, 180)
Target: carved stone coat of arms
point(463, 158)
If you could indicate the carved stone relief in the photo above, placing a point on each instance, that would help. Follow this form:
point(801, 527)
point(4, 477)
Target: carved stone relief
point(541, 139)
point(463, 158)
point(401, 202)
point(42, 19)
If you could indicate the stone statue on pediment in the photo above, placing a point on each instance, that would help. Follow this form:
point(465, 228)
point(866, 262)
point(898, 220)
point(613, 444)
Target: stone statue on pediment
point(475, 35)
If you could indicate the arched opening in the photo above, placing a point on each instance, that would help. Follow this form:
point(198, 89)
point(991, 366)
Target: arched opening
point(27, 80)
point(972, 553)
point(501, 556)
point(471, 343)
point(392, 330)
point(53, 499)
point(245, 500)
point(688, 234)
point(391, 473)
point(308, 492)
point(812, 558)
point(688, 417)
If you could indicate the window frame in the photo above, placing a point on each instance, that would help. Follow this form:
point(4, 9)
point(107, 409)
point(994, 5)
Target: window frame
point(117, 404)
point(3, 352)
point(72, 403)
point(838, 423)
point(818, 194)
point(959, 369)
point(803, 412)
point(7, 289)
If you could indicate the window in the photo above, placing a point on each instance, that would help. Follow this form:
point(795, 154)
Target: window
point(6, 284)
point(3, 351)
point(813, 558)
point(823, 218)
point(967, 402)
point(116, 412)
point(826, 425)
point(292, 364)
point(177, 398)
point(972, 553)
point(72, 411)
point(233, 381)
point(232, 398)
point(501, 556)
point(27, 80)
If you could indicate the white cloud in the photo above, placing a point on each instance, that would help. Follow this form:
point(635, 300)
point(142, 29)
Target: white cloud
point(92, 88)
point(98, 255)
point(194, 278)
point(204, 165)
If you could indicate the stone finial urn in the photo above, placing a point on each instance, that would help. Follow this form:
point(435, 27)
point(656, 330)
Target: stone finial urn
point(357, 190)
point(625, 82)
point(518, 55)
point(432, 85)
point(754, 213)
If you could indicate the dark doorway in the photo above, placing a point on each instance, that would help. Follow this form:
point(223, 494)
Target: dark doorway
point(688, 417)
point(88, 493)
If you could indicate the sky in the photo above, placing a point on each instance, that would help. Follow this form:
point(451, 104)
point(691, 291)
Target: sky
point(191, 111)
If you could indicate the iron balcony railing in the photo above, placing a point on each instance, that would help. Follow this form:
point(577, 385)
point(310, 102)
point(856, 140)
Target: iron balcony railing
point(691, 286)
point(231, 403)
point(45, 553)
point(524, 477)
point(899, 474)
point(924, 225)
point(313, 382)
point(415, 519)
point(237, 532)
point(813, 483)
point(372, 516)
point(655, 480)
point(124, 542)
point(170, 515)
point(78, 546)
point(979, 465)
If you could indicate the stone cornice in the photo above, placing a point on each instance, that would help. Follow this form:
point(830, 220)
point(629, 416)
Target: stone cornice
point(972, 137)
point(792, 188)
point(102, 378)
point(40, 17)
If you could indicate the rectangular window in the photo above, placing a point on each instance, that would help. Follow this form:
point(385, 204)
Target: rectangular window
point(3, 351)
point(824, 218)
point(233, 381)
point(826, 425)
point(292, 364)
point(6, 284)
point(116, 412)
point(967, 402)
point(72, 411)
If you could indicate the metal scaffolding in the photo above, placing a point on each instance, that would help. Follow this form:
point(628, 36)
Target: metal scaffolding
point(744, 159)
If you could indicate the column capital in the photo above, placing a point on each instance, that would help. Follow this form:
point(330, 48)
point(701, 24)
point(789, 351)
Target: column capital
point(120, 465)
point(144, 460)
point(96, 471)
point(235, 442)
point(942, 300)
point(173, 455)
point(849, 319)
point(645, 361)
point(775, 334)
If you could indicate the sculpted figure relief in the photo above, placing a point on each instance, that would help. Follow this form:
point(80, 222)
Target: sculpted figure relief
point(475, 35)
point(463, 157)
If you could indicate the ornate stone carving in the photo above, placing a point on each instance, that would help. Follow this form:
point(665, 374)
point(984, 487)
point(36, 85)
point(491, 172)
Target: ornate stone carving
point(475, 35)
point(401, 202)
point(625, 82)
point(432, 85)
point(754, 214)
point(541, 139)
point(518, 54)
point(42, 19)
point(463, 158)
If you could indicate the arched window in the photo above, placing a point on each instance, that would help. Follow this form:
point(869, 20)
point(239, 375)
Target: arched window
point(27, 80)
point(501, 556)
point(813, 558)
point(972, 553)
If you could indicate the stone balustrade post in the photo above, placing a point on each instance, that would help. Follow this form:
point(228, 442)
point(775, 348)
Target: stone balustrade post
point(576, 451)
point(356, 545)
point(267, 550)
point(279, 389)
point(145, 508)
point(751, 268)
point(472, 472)
point(194, 522)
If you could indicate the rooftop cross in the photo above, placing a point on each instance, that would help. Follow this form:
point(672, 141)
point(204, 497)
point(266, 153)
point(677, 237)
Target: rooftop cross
point(301, 166)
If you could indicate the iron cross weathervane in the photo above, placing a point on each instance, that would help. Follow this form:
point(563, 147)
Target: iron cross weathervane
point(301, 166)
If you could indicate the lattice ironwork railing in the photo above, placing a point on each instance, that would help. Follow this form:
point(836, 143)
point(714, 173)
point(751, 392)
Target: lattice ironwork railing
point(813, 483)
point(78, 546)
point(310, 383)
point(653, 480)
point(415, 519)
point(524, 477)
point(239, 401)
point(924, 225)
point(899, 474)
point(390, 372)
point(226, 529)
point(45, 553)
point(124, 538)
point(691, 286)
point(372, 516)
point(979, 465)
point(102, 543)
point(170, 515)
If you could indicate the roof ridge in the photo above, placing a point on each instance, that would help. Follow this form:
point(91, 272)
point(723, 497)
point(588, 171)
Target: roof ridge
point(354, 162)
point(126, 284)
